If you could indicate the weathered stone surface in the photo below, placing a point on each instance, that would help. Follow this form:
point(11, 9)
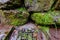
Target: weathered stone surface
point(50, 32)
point(4, 31)
point(57, 6)
point(15, 35)
point(38, 5)
point(9, 3)
point(46, 18)
point(55, 34)
point(14, 17)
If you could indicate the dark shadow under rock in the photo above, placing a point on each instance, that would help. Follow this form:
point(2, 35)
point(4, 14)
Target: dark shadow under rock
point(9, 4)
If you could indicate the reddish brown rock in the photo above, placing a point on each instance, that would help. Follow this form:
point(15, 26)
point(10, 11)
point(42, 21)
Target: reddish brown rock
point(4, 30)
point(55, 34)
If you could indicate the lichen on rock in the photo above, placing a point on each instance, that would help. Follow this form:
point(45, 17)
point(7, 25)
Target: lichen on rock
point(38, 5)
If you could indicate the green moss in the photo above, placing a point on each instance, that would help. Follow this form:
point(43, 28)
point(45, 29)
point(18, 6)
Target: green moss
point(18, 18)
point(17, 22)
point(45, 28)
point(21, 9)
point(50, 17)
point(23, 12)
point(54, 13)
point(41, 18)
point(30, 1)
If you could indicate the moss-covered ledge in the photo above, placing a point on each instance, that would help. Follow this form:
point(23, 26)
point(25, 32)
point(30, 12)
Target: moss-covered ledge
point(14, 17)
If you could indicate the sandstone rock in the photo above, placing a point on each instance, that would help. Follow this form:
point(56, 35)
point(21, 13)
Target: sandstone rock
point(38, 5)
point(41, 18)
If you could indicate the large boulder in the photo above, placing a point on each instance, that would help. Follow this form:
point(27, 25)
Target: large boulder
point(38, 5)
point(14, 17)
point(25, 32)
point(46, 18)
point(9, 3)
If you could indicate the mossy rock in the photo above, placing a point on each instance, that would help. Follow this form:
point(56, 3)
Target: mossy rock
point(56, 16)
point(16, 17)
point(7, 4)
point(41, 18)
point(47, 18)
point(38, 5)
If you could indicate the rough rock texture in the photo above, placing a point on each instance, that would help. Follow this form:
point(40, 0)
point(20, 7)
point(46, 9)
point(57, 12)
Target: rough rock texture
point(4, 30)
point(57, 6)
point(15, 35)
point(13, 13)
point(14, 17)
point(9, 3)
point(46, 18)
point(55, 34)
point(38, 5)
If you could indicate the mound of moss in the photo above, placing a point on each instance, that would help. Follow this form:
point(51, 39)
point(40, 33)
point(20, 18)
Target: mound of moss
point(9, 4)
point(38, 5)
point(16, 17)
point(41, 18)
point(48, 18)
